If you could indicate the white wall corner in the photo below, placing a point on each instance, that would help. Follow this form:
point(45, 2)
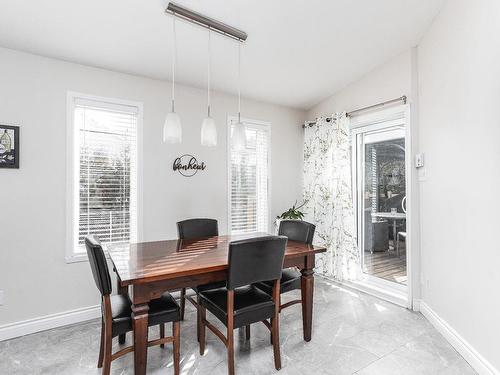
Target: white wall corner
point(46, 322)
point(471, 355)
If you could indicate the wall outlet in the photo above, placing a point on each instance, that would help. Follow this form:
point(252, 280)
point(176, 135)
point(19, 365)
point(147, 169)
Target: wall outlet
point(1, 297)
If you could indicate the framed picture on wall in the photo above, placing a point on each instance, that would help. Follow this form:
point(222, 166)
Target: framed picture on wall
point(9, 146)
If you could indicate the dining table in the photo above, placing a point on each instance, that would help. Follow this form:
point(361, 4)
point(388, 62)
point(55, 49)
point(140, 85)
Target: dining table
point(146, 270)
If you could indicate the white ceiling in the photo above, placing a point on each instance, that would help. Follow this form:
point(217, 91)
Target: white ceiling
point(297, 53)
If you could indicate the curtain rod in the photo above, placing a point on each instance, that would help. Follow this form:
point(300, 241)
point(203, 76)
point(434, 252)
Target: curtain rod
point(356, 111)
point(209, 23)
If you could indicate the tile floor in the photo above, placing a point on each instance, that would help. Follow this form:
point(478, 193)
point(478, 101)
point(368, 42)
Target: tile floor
point(353, 333)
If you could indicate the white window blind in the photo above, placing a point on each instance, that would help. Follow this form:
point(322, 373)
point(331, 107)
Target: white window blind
point(249, 172)
point(105, 174)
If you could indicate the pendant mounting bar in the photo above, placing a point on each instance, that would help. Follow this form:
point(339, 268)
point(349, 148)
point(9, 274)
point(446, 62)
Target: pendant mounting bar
point(206, 22)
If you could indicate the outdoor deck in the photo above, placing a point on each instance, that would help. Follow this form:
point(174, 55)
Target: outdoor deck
point(387, 265)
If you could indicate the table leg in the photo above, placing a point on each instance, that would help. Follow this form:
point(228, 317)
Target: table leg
point(394, 233)
point(140, 324)
point(307, 291)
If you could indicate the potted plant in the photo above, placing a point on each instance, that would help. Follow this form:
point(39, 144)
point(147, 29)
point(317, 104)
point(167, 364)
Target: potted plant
point(292, 213)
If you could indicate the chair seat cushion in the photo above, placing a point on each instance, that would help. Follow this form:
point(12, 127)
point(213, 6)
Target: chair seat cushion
point(203, 288)
point(120, 311)
point(250, 305)
point(290, 280)
point(161, 310)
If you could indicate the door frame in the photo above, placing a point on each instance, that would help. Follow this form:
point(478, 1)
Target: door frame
point(373, 121)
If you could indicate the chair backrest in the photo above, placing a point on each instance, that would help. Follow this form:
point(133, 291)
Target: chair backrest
point(394, 202)
point(197, 228)
point(297, 230)
point(98, 264)
point(254, 260)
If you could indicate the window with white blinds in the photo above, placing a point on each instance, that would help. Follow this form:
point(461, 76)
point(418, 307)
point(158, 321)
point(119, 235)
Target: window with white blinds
point(105, 172)
point(249, 182)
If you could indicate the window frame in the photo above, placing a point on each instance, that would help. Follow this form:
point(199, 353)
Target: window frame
point(256, 124)
point(73, 157)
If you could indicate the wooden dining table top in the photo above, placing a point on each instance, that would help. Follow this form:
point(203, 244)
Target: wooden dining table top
point(137, 263)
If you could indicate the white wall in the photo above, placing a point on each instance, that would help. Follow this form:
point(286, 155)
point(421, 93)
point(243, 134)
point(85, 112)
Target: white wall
point(459, 80)
point(33, 274)
point(390, 80)
point(453, 82)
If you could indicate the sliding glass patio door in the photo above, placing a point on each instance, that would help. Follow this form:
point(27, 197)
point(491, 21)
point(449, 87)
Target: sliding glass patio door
point(380, 164)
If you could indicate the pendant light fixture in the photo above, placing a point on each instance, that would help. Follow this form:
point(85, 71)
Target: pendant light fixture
point(208, 128)
point(239, 139)
point(172, 128)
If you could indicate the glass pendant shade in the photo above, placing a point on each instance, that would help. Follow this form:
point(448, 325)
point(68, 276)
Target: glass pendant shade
point(239, 139)
point(208, 132)
point(172, 129)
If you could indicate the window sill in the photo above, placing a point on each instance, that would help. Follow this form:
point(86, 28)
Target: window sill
point(82, 256)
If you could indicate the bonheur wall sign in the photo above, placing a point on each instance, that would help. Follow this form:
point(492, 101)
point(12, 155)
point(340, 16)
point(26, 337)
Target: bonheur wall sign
point(187, 165)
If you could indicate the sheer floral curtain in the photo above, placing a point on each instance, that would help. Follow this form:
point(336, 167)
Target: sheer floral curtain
point(328, 196)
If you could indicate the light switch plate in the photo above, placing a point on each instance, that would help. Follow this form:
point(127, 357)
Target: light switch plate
point(419, 160)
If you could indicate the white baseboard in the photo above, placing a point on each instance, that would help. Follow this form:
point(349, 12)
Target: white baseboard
point(416, 304)
point(471, 355)
point(46, 322)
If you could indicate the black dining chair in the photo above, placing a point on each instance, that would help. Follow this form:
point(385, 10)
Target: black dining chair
point(299, 231)
point(197, 229)
point(240, 303)
point(116, 312)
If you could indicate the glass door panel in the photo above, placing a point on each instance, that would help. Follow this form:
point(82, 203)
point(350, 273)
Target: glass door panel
point(381, 179)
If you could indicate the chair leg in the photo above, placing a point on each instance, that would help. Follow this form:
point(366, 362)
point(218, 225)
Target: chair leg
point(177, 343)
point(271, 337)
point(275, 324)
point(121, 339)
point(198, 318)
point(276, 342)
point(230, 347)
point(203, 316)
point(183, 302)
point(230, 332)
point(247, 332)
point(279, 309)
point(108, 343)
point(162, 333)
point(101, 347)
point(397, 246)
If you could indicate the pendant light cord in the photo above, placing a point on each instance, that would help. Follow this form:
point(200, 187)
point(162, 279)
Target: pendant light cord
point(239, 82)
point(174, 42)
point(208, 74)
